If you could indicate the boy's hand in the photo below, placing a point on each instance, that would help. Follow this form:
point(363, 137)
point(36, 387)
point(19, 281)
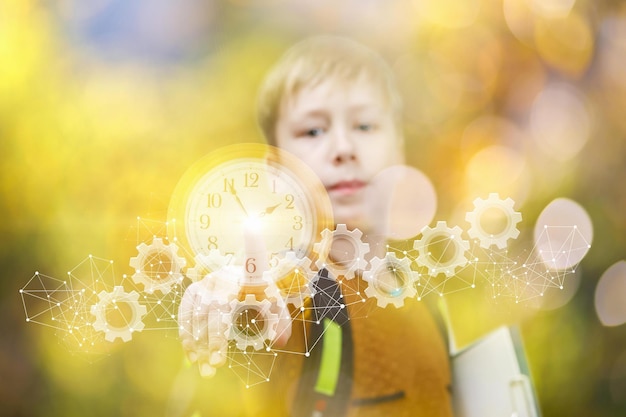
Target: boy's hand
point(202, 332)
point(202, 329)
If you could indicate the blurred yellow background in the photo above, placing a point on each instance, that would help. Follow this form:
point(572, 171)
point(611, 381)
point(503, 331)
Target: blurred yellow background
point(105, 103)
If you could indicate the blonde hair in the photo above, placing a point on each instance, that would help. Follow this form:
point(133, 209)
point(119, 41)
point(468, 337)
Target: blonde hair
point(318, 59)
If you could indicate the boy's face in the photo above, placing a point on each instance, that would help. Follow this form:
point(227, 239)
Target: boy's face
point(346, 133)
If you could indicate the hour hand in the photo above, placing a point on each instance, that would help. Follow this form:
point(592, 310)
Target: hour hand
point(270, 209)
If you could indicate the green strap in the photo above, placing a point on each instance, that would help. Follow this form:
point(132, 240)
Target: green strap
point(331, 359)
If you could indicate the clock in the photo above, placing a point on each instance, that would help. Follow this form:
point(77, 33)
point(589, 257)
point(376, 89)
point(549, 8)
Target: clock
point(248, 188)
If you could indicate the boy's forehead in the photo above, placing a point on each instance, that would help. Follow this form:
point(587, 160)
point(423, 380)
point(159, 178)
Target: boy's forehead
point(359, 92)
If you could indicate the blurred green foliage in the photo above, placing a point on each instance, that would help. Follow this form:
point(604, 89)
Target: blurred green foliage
point(94, 132)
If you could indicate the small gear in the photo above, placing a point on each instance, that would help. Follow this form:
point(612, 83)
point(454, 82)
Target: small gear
point(157, 266)
point(251, 322)
point(390, 280)
point(124, 302)
point(293, 277)
point(341, 252)
point(435, 246)
point(495, 209)
point(204, 264)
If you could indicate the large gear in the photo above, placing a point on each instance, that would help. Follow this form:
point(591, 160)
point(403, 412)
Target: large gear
point(348, 241)
point(390, 280)
point(293, 277)
point(504, 209)
point(205, 264)
point(113, 300)
point(251, 322)
point(157, 266)
point(441, 234)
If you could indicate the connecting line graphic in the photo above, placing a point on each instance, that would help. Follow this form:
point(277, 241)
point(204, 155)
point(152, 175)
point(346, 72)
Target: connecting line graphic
point(92, 307)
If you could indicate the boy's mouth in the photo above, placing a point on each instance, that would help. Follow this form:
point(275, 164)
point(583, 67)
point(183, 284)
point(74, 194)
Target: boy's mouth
point(346, 187)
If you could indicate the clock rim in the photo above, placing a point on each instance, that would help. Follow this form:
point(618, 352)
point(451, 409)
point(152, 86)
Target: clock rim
point(314, 190)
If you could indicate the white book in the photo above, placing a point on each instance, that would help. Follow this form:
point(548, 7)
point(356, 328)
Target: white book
point(490, 377)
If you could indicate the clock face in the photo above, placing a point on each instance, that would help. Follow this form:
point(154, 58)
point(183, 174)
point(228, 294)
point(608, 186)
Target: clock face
point(239, 187)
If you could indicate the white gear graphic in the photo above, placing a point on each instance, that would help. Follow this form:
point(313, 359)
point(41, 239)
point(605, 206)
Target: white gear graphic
point(205, 264)
point(450, 236)
point(344, 267)
point(477, 231)
point(251, 322)
point(157, 266)
point(113, 299)
point(293, 278)
point(379, 285)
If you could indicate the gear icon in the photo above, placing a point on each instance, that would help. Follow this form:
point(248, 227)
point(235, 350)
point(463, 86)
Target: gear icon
point(341, 252)
point(251, 322)
point(205, 264)
point(157, 266)
point(390, 280)
point(293, 277)
point(489, 211)
point(123, 304)
point(441, 249)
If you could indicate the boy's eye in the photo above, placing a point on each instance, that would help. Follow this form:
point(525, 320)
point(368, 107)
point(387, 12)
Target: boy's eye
point(365, 127)
point(314, 132)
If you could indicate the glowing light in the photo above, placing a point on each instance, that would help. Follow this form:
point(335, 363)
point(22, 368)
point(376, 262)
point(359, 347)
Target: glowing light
point(406, 197)
point(449, 13)
point(610, 295)
point(552, 8)
point(560, 122)
point(566, 44)
point(497, 169)
point(563, 234)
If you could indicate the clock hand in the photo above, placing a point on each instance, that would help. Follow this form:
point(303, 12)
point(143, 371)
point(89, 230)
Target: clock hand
point(234, 193)
point(270, 210)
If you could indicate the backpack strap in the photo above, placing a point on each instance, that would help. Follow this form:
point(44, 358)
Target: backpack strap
point(326, 382)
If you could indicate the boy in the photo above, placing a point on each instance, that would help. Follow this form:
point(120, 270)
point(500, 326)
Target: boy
point(333, 103)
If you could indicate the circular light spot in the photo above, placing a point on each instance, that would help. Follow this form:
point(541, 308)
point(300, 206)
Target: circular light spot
point(563, 234)
point(610, 295)
point(560, 122)
point(497, 169)
point(405, 197)
point(449, 13)
point(552, 8)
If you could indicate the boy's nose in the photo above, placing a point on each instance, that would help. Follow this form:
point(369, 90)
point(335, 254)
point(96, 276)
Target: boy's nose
point(343, 147)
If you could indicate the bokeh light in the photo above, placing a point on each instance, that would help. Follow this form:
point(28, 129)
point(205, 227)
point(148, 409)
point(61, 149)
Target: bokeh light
point(610, 294)
point(563, 234)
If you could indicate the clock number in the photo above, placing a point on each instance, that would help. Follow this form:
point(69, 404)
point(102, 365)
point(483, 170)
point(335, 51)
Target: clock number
point(250, 265)
point(290, 199)
point(214, 200)
point(205, 221)
point(251, 180)
point(229, 185)
point(273, 260)
point(212, 242)
point(289, 244)
point(298, 223)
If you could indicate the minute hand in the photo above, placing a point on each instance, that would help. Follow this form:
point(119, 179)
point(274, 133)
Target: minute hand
point(234, 193)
